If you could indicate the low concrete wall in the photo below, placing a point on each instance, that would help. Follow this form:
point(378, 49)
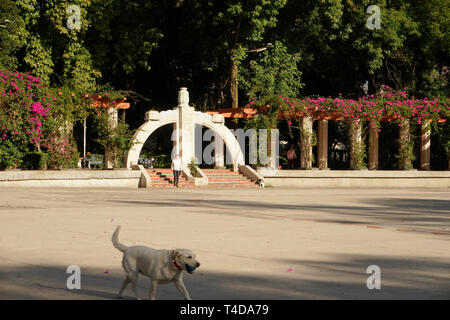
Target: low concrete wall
point(250, 173)
point(203, 181)
point(71, 178)
point(145, 181)
point(358, 179)
point(282, 178)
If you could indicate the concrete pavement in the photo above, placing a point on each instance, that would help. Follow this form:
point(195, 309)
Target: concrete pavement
point(268, 243)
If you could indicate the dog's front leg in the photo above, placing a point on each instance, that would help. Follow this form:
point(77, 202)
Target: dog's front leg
point(153, 284)
point(180, 286)
point(133, 276)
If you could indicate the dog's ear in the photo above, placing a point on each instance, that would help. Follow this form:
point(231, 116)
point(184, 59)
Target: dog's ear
point(176, 254)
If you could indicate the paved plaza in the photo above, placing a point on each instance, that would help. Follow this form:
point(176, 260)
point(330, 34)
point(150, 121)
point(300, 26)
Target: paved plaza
point(271, 243)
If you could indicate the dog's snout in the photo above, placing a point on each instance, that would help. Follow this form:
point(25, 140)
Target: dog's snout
point(198, 264)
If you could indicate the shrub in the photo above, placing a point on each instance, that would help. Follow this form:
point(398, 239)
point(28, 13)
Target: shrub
point(161, 161)
point(118, 139)
point(10, 155)
point(62, 153)
point(35, 161)
point(193, 168)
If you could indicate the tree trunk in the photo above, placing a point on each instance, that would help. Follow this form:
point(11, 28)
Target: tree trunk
point(234, 82)
point(234, 67)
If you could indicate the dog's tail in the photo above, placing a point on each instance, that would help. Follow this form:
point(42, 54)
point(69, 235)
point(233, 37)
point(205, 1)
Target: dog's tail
point(115, 240)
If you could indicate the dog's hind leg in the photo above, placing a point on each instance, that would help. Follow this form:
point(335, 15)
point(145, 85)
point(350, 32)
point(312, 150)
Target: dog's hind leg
point(122, 288)
point(133, 276)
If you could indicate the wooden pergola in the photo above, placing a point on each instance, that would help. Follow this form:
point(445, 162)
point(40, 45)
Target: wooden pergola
point(107, 102)
point(306, 123)
point(113, 106)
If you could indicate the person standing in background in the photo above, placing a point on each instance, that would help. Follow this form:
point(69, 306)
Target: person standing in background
point(291, 156)
point(176, 167)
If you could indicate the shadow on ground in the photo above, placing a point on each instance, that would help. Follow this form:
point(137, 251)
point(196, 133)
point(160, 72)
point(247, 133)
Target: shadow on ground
point(340, 277)
point(433, 215)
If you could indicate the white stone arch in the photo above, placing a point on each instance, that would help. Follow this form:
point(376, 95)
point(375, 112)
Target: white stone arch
point(217, 125)
point(153, 121)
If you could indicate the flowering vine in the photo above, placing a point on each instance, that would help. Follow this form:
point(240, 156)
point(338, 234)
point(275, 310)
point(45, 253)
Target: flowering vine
point(386, 105)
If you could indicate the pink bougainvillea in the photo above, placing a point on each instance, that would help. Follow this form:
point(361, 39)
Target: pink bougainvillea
point(23, 114)
point(386, 105)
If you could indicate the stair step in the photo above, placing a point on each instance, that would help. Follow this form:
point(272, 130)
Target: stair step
point(163, 178)
point(217, 178)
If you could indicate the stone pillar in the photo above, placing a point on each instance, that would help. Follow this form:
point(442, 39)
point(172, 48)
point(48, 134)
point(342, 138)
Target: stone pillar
point(175, 138)
point(322, 147)
point(110, 156)
point(355, 145)
point(186, 127)
point(373, 148)
point(218, 152)
point(425, 145)
point(306, 124)
point(404, 161)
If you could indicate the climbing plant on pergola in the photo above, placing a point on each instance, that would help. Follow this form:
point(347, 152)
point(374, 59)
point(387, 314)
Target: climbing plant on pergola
point(387, 105)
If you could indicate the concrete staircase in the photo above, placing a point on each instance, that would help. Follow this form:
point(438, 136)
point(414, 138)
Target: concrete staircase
point(217, 178)
point(163, 178)
point(225, 178)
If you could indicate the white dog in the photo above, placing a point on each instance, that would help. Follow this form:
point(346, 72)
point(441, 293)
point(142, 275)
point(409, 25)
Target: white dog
point(161, 266)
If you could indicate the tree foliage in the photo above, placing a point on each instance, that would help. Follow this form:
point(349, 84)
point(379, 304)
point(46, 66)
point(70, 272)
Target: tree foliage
point(320, 47)
point(197, 43)
point(275, 72)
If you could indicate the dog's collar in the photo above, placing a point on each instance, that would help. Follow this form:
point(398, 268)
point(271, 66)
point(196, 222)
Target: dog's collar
point(176, 265)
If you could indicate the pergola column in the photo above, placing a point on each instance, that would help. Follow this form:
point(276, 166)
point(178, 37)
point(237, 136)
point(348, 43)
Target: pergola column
point(110, 156)
point(355, 143)
point(306, 124)
point(425, 145)
point(404, 162)
point(373, 148)
point(322, 144)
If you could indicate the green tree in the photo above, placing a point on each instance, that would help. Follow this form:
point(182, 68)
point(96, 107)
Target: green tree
point(276, 72)
point(220, 33)
point(122, 37)
point(339, 52)
point(12, 28)
point(246, 22)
